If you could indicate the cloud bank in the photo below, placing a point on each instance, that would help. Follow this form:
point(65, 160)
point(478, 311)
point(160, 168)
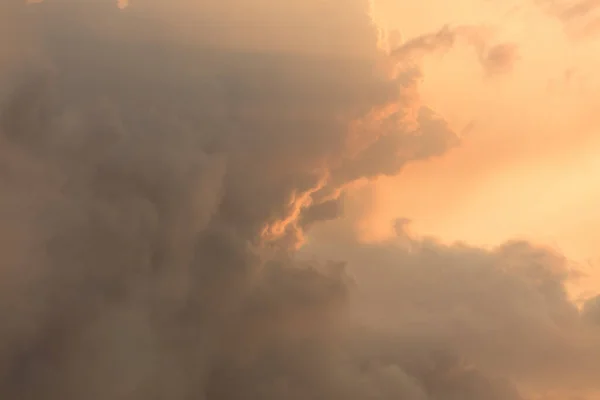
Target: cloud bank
point(160, 166)
point(502, 314)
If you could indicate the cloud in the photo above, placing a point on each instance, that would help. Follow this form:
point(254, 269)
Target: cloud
point(580, 17)
point(501, 315)
point(156, 180)
point(579, 9)
point(500, 58)
point(591, 311)
point(494, 58)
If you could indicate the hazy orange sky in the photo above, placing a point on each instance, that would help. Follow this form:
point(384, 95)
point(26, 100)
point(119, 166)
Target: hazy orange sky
point(529, 165)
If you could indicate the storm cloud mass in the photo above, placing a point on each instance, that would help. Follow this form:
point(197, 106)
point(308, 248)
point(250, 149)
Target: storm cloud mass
point(160, 167)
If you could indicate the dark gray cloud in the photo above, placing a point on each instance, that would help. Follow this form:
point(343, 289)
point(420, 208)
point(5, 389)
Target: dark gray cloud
point(157, 165)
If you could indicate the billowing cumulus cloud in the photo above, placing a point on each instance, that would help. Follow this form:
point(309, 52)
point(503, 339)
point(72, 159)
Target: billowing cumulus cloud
point(503, 313)
point(160, 166)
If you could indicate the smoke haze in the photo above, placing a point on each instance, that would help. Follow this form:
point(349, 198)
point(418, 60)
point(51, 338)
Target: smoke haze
point(161, 167)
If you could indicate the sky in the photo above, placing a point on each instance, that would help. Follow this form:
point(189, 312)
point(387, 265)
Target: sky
point(528, 165)
point(309, 199)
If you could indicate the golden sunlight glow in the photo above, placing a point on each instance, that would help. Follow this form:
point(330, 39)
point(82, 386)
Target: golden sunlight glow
point(529, 167)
